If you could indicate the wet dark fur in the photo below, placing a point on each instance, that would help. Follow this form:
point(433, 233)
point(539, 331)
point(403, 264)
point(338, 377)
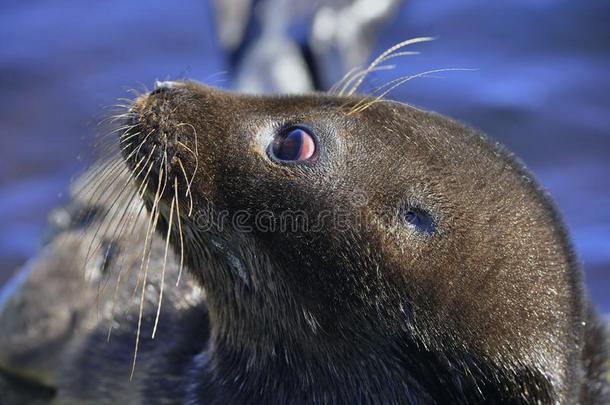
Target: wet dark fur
point(54, 325)
point(488, 309)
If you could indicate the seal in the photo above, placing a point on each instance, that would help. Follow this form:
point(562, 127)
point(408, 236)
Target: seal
point(352, 250)
point(52, 313)
point(357, 250)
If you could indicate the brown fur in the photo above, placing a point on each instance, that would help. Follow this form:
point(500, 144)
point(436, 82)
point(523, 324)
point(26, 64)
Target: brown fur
point(488, 308)
point(496, 288)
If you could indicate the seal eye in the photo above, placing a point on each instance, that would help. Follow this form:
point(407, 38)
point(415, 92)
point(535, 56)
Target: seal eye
point(420, 220)
point(294, 144)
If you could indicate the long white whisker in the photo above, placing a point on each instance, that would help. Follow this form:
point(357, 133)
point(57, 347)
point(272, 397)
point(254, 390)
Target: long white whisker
point(179, 230)
point(146, 259)
point(394, 84)
point(169, 230)
point(382, 57)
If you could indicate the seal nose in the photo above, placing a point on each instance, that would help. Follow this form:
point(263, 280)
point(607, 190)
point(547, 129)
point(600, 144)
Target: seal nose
point(162, 86)
point(155, 132)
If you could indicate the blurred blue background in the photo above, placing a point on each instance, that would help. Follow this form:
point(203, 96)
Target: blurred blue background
point(542, 87)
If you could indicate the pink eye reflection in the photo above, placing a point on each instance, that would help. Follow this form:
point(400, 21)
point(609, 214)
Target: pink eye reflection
point(294, 145)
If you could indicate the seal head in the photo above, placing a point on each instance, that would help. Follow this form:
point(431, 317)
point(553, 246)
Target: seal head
point(359, 250)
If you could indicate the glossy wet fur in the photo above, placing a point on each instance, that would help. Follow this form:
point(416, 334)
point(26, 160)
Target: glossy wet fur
point(488, 307)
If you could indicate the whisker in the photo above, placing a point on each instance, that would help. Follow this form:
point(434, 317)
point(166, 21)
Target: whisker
point(154, 217)
point(141, 192)
point(153, 210)
point(133, 219)
point(196, 161)
point(345, 77)
point(136, 151)
point(118, 196)
point(396, 83)
point(169, 230)
point(137, 93)
point(116, 117)
point(186, 147)
point(90, 177)
point(132, 175)
point(115, 173)
point(135, 353)
point(188, 188)
point(179, 230)
point(364, 73)
point(120, 128)
point(382, 57)
point(124, 139)
point(127, 100)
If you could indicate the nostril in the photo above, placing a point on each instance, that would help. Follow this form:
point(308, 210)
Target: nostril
point(158, 91)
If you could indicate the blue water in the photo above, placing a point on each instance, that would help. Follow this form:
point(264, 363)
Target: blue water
point(542, 87)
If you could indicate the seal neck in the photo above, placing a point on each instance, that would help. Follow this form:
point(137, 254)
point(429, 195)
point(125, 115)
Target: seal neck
point(266, 348)
point(265, 345)
point(322, 371)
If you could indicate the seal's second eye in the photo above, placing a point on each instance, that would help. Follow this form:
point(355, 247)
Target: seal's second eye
point(420, 220)
point(295, 144)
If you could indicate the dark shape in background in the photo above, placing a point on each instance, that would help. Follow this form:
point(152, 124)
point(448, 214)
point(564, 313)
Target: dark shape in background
point(541, 88)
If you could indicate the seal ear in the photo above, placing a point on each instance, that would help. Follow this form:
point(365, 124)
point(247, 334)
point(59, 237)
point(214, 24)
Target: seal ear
point(418, 219)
